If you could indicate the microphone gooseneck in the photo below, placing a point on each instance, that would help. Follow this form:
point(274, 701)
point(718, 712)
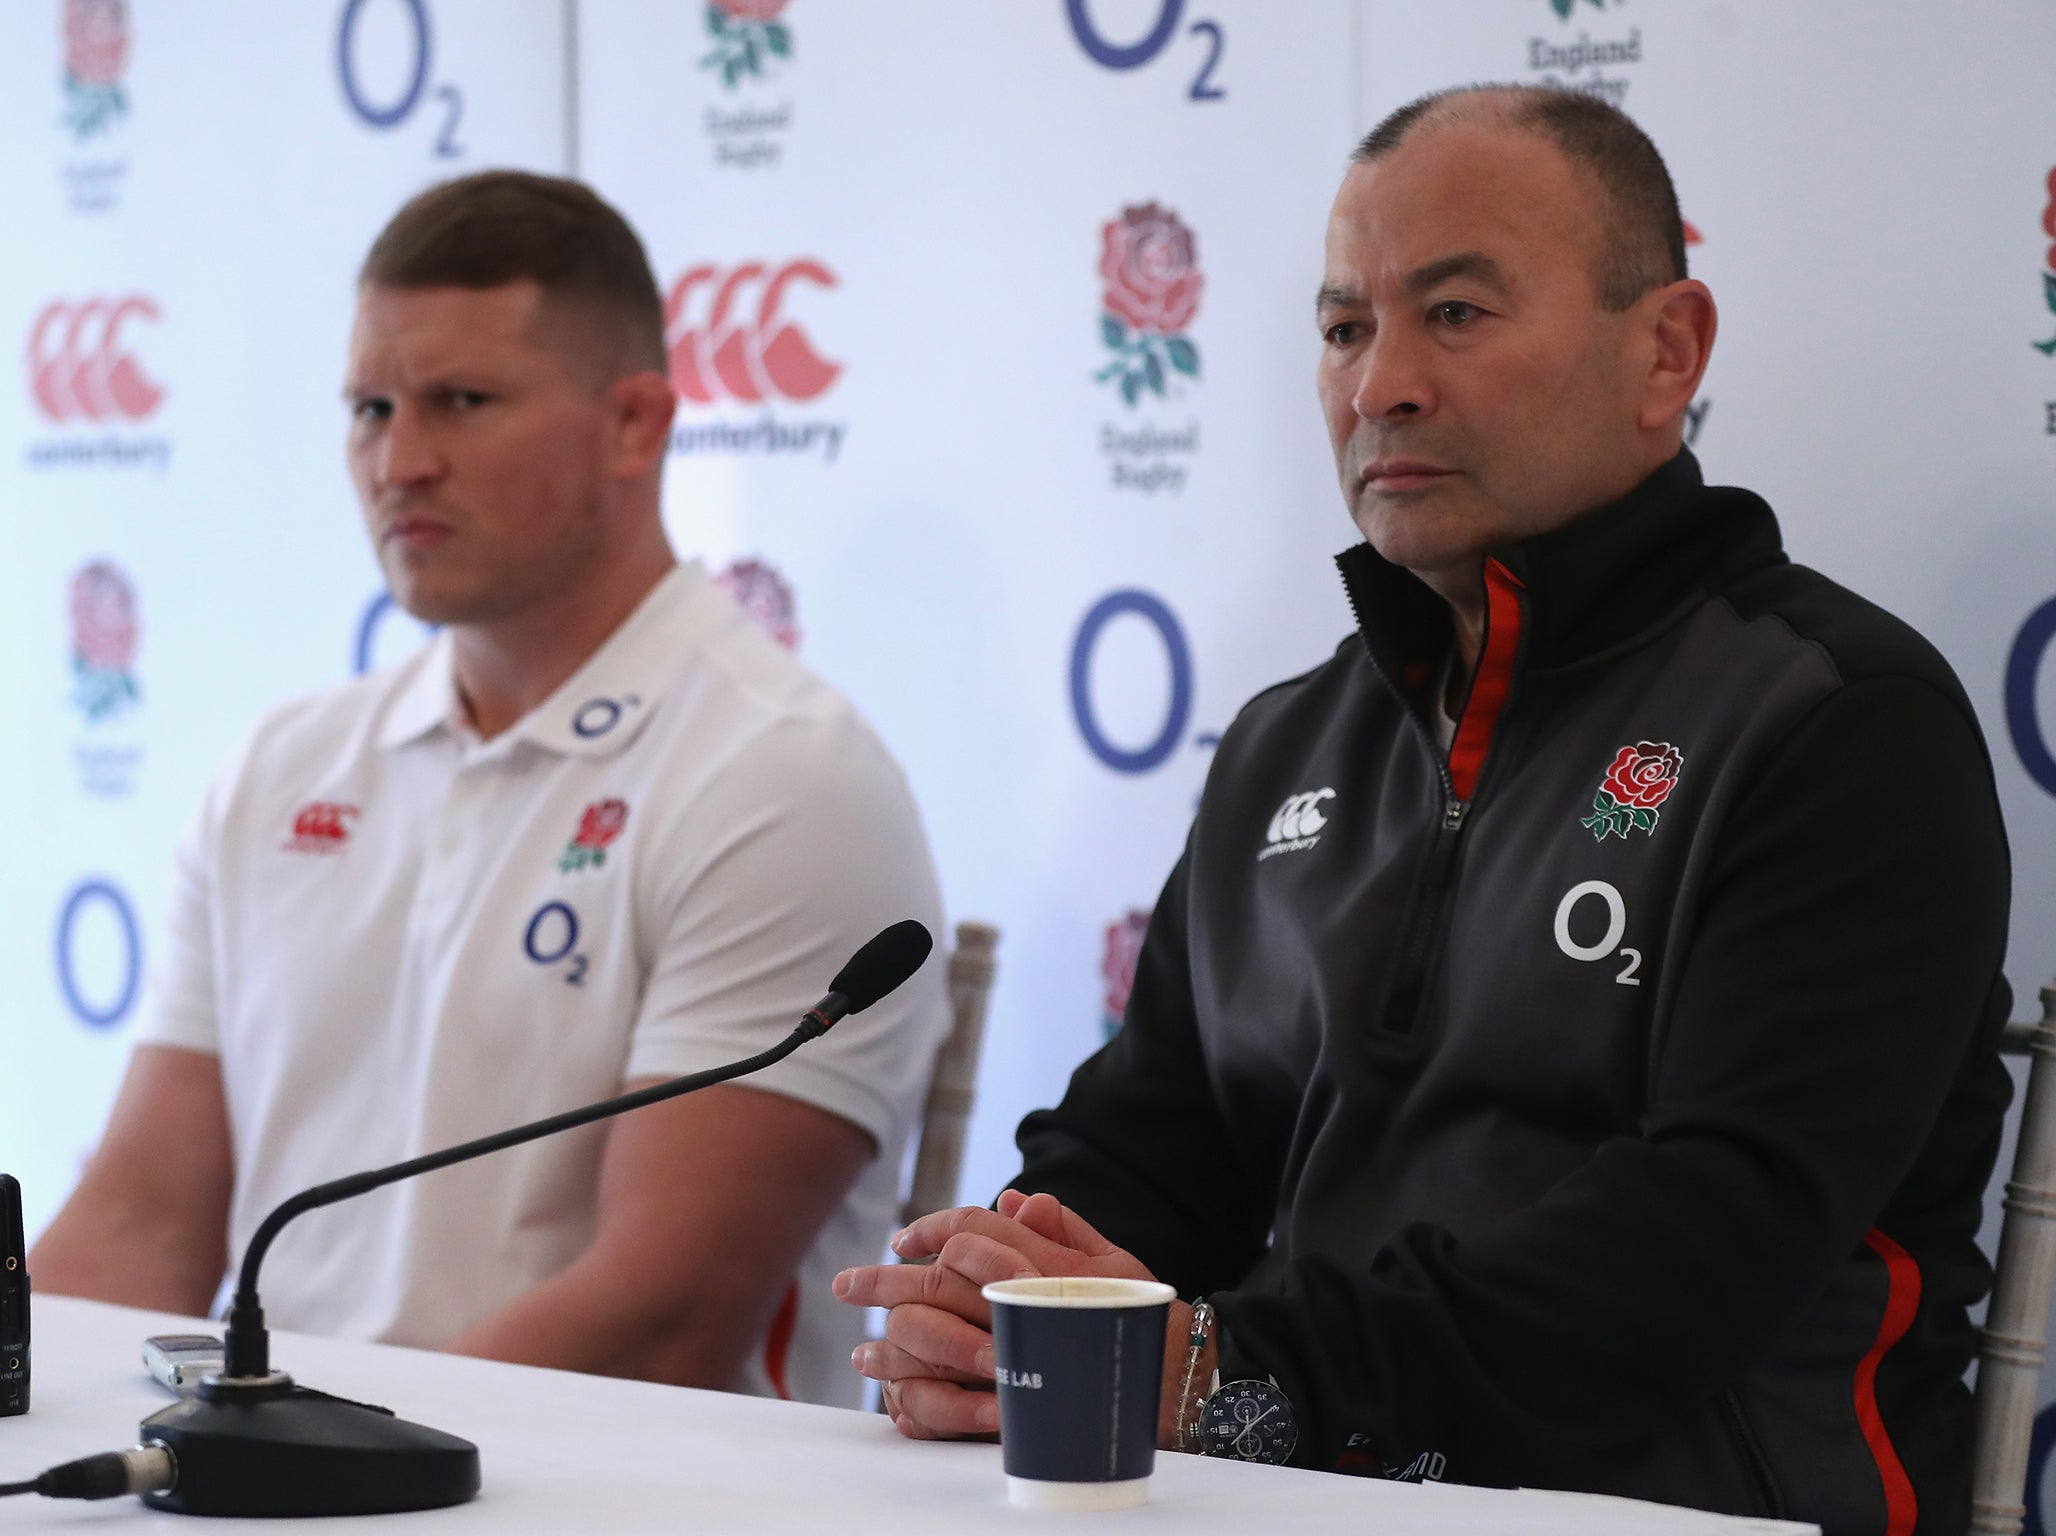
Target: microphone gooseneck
point(246, 1346)
point(881, 966)
point(255, 1443)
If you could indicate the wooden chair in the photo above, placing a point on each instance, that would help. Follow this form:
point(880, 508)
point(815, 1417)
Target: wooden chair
point(955, 1082)
point(2016, 1331)
point(953, 1086)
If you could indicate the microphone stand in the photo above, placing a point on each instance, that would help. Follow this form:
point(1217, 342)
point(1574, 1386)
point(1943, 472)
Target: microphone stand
point(256, 1443)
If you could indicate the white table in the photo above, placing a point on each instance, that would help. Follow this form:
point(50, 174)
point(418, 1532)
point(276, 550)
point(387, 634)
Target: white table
point(566, 1453)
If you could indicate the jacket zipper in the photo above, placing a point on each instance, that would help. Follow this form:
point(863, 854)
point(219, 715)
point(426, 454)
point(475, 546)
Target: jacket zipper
point(1401, 1016)
point(1437, 884)
point(1770, 1501)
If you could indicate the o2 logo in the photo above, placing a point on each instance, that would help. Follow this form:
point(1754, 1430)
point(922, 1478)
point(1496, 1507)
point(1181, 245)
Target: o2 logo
point(364, 654)
point(376, 102)
point(551, 938)
point(1609, 945)
point(1134, 55)
point(2023, 711)
point(82, 924)
point(596, 717)
point(1177, 653)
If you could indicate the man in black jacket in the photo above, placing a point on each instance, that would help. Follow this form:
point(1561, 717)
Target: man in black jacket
point(1565, 1053)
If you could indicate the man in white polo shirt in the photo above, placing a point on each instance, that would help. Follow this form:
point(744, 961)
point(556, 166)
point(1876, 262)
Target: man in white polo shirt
point(600, 832)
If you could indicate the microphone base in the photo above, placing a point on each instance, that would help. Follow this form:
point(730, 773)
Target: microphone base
point(265, 1447)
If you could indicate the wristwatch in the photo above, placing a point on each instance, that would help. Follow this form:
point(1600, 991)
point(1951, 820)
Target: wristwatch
point(1248, 1420)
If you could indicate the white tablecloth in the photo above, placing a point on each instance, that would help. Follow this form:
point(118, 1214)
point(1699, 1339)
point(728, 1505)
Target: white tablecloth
point(566, 1453)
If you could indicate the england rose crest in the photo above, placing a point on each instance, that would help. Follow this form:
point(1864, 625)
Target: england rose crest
point(1117, 967)
point(1150, 264)
point(747, 35)
point(2048, 348)
point(766, 596)
point(104, 633)
point(1639, 780)
point(96, 50)
point(599, 826)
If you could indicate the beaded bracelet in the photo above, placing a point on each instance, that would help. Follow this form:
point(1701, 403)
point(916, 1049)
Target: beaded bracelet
point(1182, 1433)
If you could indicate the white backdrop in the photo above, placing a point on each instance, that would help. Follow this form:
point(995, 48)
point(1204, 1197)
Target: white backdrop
point(884, 224)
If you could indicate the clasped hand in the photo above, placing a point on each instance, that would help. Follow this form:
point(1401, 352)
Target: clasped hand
point(935, 1363)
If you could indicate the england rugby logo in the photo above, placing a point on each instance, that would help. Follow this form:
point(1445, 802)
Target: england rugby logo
point(747, 36)
point(766, 596)
point(2048, 348)
point(1639, 780)
point(598, 827)
point(104, 634)
point(1150, 264)
point(96, 51)
point(1117, 967)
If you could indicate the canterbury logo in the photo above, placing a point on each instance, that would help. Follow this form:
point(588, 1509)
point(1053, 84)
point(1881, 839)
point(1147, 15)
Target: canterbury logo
point(726, 339)
point(1298, 823)
point(80, 366)
point(321, 826)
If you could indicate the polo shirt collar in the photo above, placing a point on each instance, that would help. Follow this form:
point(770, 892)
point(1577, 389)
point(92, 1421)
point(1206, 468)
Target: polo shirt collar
point(427, 699)
point(600, 708)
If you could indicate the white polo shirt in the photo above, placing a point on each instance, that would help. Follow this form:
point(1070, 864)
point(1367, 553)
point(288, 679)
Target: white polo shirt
point(397, 937)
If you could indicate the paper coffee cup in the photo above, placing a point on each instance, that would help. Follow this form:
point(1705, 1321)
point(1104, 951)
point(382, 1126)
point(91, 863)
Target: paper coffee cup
point(1080, 1368)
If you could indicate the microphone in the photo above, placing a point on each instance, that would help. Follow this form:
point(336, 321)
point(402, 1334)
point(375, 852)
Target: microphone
point(255, 1443)
point(888, 959)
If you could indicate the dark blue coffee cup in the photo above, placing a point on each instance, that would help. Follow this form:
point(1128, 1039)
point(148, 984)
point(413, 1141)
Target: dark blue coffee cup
point(1080, 1369)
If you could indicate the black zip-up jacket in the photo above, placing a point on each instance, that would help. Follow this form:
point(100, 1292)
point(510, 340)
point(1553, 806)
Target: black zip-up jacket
point(1607, 1102)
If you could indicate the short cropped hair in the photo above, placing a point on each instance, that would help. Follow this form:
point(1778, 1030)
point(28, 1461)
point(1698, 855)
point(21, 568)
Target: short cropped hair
point(499, 227)
point(1642, 245)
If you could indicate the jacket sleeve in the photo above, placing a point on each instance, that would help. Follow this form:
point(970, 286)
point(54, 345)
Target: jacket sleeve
point(1138, 1146)
point(1843, 969)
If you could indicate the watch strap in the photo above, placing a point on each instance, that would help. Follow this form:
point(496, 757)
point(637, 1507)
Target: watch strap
point(1185, 1421)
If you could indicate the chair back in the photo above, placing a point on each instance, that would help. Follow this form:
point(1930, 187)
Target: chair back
point(2015, 1336)
point(955, 1082)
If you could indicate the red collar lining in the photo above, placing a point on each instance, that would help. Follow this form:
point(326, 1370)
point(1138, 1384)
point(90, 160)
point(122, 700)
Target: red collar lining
point(1493, 682)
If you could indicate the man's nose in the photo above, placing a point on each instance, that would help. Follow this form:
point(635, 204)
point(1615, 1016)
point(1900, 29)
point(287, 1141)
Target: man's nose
point(407, 452)
point(1393, 379)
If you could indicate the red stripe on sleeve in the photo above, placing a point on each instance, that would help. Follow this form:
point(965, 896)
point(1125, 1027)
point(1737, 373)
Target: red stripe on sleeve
point(1494, 680)
point(1902, 1300)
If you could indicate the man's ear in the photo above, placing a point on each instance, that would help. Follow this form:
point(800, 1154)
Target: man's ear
point(1681, 320)
point(640, 407)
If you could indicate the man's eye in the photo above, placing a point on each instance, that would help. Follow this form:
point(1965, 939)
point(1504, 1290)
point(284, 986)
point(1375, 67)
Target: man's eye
point(370, 410)
point(1454, 312)
point(467, 399)
point(1342, 333)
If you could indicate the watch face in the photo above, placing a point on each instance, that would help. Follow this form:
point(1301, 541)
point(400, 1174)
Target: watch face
point(1249, 1420)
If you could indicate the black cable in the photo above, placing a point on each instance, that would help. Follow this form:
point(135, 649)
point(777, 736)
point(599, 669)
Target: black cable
point(143, 1469)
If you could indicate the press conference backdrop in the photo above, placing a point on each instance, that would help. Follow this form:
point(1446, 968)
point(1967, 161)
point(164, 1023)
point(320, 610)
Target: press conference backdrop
point(992, 325)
